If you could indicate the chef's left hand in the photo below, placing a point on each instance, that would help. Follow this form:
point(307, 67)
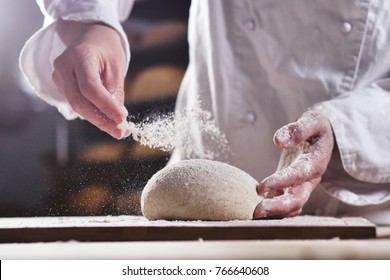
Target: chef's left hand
point(307, 147)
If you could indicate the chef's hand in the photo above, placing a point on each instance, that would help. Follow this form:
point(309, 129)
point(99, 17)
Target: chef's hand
point(90, 74)
point(307, 147)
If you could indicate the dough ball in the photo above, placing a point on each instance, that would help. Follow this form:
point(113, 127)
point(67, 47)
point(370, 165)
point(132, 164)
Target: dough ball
point(200, 189)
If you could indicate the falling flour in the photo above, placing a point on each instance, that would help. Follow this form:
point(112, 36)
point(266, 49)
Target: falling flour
point(175, 131)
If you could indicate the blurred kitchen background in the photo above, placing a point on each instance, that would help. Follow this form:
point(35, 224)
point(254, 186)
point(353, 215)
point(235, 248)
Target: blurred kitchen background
point(49, 166)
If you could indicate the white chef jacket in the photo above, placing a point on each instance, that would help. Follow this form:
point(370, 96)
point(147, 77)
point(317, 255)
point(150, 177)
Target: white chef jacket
point(258, 65)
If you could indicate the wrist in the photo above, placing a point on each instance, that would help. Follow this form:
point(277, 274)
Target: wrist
point(69, 30)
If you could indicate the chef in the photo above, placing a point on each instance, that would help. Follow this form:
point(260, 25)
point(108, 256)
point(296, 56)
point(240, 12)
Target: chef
point(300, 87)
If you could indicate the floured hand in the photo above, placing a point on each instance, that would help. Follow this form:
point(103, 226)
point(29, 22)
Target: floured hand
point(307, 147)
point(90, 74)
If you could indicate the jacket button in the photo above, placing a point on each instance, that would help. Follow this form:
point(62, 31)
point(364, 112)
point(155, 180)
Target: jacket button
point(250, 24)
point(346, 27)
point(249, 118)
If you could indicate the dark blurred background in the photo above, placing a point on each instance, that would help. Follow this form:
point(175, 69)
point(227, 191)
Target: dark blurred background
point(49, 166)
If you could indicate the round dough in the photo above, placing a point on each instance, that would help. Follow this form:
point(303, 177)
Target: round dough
point(200, 189)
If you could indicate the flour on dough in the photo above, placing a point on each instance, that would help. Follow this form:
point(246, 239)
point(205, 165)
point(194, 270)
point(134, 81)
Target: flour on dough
point(200, 189)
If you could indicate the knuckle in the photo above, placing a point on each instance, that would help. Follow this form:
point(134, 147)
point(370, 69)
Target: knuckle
point(117, 92)
point(296, 131)
point(298, 174)
point(316, 115)
point(87, 86)
point(104, 108)
point(77, 106)
point(103, 124)
point(83, 55)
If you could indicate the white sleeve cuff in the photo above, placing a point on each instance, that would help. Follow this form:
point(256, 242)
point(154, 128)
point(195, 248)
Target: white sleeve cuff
point(39, 52)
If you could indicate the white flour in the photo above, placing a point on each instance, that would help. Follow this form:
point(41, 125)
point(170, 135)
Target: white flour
point(172, 131)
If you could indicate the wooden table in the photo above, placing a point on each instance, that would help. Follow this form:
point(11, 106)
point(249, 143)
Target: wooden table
point(127, 237)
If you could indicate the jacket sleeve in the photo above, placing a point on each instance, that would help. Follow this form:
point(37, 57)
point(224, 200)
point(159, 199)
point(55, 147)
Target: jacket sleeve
point(39, 52)
point(361, 123)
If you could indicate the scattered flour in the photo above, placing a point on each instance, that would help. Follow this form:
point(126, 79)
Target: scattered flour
point(171, 131)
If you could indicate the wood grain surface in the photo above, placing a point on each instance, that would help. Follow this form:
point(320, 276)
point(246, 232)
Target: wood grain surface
point(135, 228)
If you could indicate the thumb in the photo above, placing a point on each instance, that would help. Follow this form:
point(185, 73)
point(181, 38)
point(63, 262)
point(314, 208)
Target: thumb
point(308, 125)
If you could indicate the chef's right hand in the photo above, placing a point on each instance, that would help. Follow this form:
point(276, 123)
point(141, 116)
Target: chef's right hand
point(90, 74)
